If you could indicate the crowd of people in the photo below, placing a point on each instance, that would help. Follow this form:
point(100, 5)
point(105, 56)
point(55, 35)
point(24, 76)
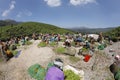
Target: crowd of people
point(6, 47)
point(86, 41)
point(69, 39)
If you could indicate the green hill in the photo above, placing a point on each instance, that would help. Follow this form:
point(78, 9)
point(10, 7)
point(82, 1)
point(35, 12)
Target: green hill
point(28, 28)
point(114, 34)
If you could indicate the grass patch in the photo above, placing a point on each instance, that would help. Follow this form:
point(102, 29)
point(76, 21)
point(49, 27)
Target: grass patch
point(52, 44)
point(63, 40)
point(28, 43)
point(17, 44)
point(42, 44)
point(70, 75)
point(84, 49)
point(73, 43)
point(74, 59)
point(0, 60)
point(14, 52)
point(60, 50)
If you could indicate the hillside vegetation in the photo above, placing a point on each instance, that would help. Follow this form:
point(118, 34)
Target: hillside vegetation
point(28, 28)
point(114, 34)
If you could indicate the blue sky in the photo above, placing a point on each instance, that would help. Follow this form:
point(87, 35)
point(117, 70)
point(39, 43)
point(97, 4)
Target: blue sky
point(64, 13)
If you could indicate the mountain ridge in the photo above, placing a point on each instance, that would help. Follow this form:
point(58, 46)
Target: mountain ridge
point(91, 30)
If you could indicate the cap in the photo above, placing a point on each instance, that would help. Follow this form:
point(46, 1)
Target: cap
point(117, 57)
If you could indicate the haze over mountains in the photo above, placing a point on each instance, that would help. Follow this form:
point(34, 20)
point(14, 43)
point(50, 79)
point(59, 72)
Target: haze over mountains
point(91, 30)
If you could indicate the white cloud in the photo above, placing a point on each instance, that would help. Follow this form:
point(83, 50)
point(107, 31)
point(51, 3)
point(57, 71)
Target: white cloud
point(53, 3)
point(28, 13)
point(5, 13)
point(81, 2)
point(11, 7)
point(24, 13)
point(19, 14)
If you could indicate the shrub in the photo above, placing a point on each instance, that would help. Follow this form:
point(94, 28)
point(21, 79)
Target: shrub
point(52, 44)
point(70, 75)
point(28, 43)
point(60, 50)
point(74, 59)
point(63, 40)
point(42, 44)
point(114, 39)
point(73, 43)
point(14, 52)
point(0, 60)
point(17, 44)
point(84, 49)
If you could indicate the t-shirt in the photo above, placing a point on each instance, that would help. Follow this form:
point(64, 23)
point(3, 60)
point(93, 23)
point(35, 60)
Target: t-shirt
point(54, 73)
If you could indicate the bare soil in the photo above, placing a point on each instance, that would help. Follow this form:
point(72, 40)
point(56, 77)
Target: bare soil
point(96, 69)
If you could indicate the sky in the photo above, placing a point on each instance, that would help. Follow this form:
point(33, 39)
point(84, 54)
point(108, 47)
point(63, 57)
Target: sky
point(64, 13)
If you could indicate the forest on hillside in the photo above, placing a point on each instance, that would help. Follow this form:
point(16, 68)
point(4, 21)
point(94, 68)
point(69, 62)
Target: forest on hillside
point(28, 28)
point(12, 28)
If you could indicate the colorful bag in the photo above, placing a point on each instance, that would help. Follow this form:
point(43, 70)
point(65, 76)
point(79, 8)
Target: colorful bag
point(101, 47)
point(87, 57)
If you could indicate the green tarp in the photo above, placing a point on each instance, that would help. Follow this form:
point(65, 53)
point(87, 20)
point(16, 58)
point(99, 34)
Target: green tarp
point(101, 47)
point(37, 72)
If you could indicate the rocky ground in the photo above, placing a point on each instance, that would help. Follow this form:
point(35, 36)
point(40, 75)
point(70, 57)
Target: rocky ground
point(96, 69)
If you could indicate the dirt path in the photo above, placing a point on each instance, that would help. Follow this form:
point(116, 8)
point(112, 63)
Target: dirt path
point(16, 68)
point(115, 47)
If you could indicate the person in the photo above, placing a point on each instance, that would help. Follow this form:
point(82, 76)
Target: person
point(2, 51)
point(117, 60)
point(56, 71)
point(100, 37)
point(67, 42)
point(115, 67)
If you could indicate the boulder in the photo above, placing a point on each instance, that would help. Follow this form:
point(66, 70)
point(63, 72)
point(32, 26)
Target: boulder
point(70, 51)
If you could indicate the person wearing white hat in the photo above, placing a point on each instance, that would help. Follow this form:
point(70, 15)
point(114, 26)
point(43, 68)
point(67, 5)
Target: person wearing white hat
point(117, 60)
point(115, 67)
point(117, 57)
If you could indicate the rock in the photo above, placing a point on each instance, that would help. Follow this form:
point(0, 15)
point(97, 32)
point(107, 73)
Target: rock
point(70, 51)
point(2, 77)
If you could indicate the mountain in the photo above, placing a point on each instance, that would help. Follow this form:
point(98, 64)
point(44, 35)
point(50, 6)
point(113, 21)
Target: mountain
point(28, 28)
point(8, 22)
point(90, 30)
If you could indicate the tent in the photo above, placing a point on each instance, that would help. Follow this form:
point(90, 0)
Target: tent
point(95, 36)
